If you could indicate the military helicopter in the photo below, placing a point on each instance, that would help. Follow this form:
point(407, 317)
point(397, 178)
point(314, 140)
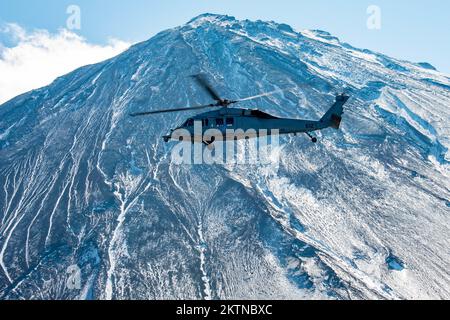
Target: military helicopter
point(238, 124)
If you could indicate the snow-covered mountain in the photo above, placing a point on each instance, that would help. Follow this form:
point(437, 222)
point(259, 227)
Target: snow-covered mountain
point(363, 214)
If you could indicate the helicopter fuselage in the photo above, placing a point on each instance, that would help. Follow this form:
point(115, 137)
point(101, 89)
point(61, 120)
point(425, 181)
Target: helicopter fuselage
point(238, 124)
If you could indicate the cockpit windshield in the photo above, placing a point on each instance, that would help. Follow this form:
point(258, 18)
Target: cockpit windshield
point(188, 123)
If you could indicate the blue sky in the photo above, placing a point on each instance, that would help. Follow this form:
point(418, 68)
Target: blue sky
point(414, 30)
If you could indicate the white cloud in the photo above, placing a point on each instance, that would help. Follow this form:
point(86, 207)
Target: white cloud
point(39, 57)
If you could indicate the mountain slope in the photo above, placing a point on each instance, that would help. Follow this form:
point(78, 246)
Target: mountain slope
point(362, 214)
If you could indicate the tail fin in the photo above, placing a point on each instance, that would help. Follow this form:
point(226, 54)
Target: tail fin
point(334, 116)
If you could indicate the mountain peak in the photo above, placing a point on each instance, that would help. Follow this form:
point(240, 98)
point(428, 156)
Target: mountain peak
point(210, 18)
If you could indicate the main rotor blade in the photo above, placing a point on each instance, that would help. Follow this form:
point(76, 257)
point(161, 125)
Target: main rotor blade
point(171, 110)
point(201, 80)
point(263, 95)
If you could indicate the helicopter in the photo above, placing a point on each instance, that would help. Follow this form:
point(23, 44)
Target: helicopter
point(238, 123)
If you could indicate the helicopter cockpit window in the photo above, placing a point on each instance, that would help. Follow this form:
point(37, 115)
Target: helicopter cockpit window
point(230, 121)
point(219, 122)
point(189, 123)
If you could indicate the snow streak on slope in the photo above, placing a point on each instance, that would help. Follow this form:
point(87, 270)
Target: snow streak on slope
point(362, 214)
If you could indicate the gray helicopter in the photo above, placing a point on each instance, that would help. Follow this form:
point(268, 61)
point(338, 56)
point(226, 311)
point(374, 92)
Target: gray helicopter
point(236, 124)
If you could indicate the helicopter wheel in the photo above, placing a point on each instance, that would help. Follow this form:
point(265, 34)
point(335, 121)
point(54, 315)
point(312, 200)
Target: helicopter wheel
point(313, 139)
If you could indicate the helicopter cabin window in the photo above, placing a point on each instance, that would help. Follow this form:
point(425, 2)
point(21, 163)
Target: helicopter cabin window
point(219, 122)
point(230, 122)
point(189, 123)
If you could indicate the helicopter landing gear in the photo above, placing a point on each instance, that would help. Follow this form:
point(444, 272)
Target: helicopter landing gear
point(210, 144)
point(313, 139)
